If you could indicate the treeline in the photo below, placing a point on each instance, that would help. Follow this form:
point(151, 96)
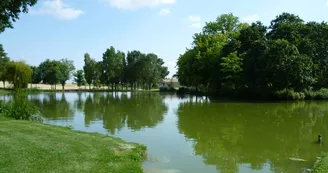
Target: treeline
point(137, 70)
point(287, 59)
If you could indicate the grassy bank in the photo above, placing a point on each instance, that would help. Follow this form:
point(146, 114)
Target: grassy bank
point(27, 146)
point(321, 166)
point(4, 92)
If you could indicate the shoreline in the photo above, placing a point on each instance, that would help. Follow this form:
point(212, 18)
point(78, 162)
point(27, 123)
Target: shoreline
point(39, 147)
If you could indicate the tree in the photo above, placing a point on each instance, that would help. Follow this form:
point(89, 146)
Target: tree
point(4, 60)
point(89, 69)
point(10, 10)
point(124, 72)
point(286, 26)
point(112, 65)
point(50, 72)
point(79, 78)
point(66, 68)
point(231, 68)
point(253, 45)
point(225, 24)
point(131, 72)
point(36, 75)
point(19, 74)
point(286, 68)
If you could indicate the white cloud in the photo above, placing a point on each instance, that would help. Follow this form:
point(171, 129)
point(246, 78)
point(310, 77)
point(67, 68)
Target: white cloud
point(58, 9)
point(251, 18)
point(195, 21)
point(135, 4)
point(165, 12)
point(194, 18)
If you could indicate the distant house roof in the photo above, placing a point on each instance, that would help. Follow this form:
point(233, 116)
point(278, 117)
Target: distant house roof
point(171, 80)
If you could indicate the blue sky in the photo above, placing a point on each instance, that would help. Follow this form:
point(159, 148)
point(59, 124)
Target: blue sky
point(58, 29)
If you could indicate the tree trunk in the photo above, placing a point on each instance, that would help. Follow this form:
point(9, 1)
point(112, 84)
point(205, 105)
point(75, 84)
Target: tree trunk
point(4, 84)
point(63, 87)
point(131, 85)
point(89, 86)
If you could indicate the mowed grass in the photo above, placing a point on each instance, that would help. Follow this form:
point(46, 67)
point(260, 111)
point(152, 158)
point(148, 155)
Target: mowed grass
point(4, 92)
point(35, 147)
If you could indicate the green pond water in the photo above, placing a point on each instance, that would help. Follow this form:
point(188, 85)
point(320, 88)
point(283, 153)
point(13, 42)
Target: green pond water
point(195, 135)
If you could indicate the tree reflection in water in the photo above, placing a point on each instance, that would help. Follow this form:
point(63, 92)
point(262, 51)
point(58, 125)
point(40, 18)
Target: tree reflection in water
point(230, 134)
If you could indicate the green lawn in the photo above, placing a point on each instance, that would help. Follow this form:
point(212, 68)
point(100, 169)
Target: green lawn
point(321, 166)
point(3, 92)
point(35, 147)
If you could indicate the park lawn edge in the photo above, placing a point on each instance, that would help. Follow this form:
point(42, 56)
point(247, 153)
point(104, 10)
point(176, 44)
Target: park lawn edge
point(27, 146)
point(4, 91)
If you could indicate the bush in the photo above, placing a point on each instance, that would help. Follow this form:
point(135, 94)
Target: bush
point(167, 89)
point(321, 94)
point(21, 109)
point(289, 95)
point(183, 90)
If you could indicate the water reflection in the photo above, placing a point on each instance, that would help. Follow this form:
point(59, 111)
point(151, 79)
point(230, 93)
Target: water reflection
point(54, 106)
point(230, 135)
point(208, 136)
point(135, 111)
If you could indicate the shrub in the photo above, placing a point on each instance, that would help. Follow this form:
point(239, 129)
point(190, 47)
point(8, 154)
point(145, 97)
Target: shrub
point(289, 95)
point(321, 94)
point(21, 109)
point(167, 89)
point(183, 90)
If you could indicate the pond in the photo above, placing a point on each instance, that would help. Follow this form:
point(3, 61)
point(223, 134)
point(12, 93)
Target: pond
point(192, 135)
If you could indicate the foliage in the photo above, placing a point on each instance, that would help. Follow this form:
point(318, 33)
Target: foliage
point(231, 57)
point(321, 165)
point(19, 74)
point(167, 89)
point(4, 61)
point(79, 78)
point(50, 71)
point(318, 94)
point(66, 68)
point(289, 95)
point(90, 66)
point(21, 109)
point(116, 68)
point(231, 68)
point(10, 10)
point(36, 75)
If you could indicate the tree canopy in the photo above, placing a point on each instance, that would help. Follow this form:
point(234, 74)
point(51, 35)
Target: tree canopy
point(10, 10)
point(234, 58)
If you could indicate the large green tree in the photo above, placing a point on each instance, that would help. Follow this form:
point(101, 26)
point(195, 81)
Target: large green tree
point(286, 68)
point(19, 74)
point(50, 72)
point(90, 69)
point(10, 10)
point(66, 69)
point(36, 75)
point(256, 59)
point(79, 78)
point(131, 70)
point(231, 69)
point(4, 61)
point(112, 65)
